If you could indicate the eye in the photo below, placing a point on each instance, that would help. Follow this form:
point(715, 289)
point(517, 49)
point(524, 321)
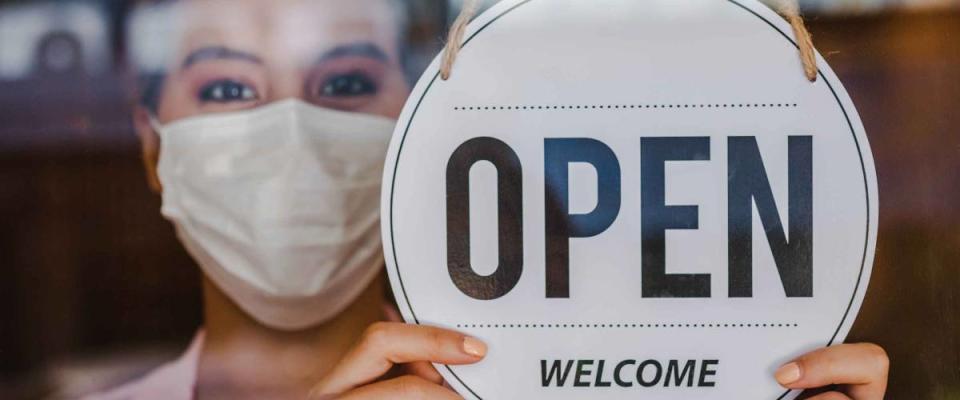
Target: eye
point(348, 85)
point(226, 91)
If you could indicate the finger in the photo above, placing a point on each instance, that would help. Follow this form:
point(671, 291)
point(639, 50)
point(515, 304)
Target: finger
point(403, 388)
point(830, 396)
point(862, 367)
point(424, 370)
point(387, 343)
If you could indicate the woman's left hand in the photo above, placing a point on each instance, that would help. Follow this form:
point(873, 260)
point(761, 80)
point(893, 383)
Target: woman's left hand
point(859, 371)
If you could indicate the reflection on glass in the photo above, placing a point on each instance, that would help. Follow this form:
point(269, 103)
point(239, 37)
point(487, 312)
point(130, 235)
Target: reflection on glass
point(98, 290)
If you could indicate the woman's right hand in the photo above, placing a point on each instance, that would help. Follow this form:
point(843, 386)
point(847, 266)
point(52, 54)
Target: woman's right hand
point(385, 344)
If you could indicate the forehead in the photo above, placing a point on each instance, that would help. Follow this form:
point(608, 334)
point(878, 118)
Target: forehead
point(288, 30)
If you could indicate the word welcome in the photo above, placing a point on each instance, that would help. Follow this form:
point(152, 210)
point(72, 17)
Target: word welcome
point(626, 373)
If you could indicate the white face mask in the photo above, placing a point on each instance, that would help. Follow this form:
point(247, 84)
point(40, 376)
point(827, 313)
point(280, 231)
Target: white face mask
point(279, 205)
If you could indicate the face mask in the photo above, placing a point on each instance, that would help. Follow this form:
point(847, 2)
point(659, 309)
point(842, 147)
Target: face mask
point(279, 205)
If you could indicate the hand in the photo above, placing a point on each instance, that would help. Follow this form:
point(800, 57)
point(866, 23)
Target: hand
point(859, 371)
point(385, 344)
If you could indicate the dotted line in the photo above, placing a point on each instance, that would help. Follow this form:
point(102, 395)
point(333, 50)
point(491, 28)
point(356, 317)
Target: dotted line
point(632, 325)
point(625, 106)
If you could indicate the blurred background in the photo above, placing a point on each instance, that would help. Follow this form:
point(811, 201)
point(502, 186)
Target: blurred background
point(95, 289)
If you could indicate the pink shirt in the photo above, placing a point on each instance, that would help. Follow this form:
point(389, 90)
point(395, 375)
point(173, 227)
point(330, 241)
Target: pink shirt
point(172, 381)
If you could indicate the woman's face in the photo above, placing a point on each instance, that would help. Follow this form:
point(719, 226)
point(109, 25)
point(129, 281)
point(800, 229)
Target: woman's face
point(239, 54)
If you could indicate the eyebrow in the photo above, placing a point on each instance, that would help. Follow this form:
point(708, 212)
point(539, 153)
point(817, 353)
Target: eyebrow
point(218, 53)
point(361, 49)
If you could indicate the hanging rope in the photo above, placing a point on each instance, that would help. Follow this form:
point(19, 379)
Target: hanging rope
point(790, 9)
point(455, 36)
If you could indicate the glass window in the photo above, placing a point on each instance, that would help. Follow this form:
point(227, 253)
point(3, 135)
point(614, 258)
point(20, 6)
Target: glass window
point(98, 288)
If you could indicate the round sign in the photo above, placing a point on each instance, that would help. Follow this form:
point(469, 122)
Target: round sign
point(628, 198)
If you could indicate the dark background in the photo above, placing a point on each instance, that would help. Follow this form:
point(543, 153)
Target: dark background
point(95, 288)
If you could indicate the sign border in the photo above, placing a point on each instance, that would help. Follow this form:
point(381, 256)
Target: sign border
point(869, 234)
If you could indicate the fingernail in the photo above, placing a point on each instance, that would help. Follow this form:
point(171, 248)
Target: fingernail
point(788, 374)
point(474, 347)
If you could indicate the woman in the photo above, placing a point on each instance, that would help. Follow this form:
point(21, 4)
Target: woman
point(265, 133)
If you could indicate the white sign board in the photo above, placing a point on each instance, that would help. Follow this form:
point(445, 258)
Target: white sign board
point(630, 199)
